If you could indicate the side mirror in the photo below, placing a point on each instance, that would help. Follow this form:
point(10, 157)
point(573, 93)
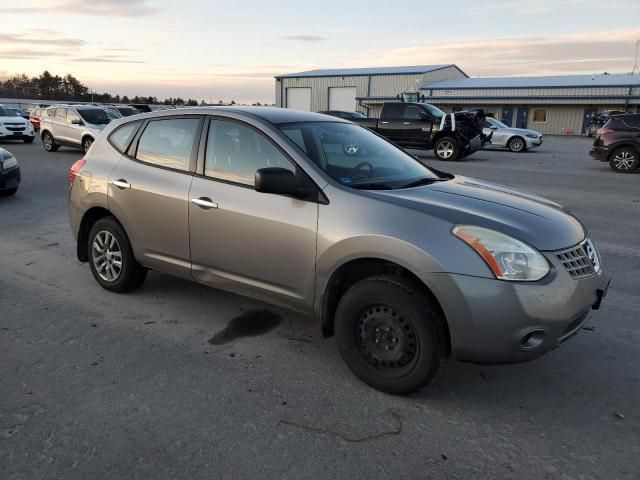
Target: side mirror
point(493, 127)
point(75, 121)
point(277, 180)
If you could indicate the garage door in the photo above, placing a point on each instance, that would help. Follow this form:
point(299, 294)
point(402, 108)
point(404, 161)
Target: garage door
point(342, 98)
point(299, 99)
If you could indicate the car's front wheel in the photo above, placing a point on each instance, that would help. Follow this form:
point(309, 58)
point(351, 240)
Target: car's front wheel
point(86, 144)
point(624, 160)
point(48, 142)
point(391, 335)
point(517, 145)
point(446, 148)
point(111, 258)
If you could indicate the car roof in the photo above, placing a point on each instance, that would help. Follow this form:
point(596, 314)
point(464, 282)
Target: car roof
point(269, 114)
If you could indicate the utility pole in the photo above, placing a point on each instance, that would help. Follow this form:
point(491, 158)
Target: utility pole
point(636, 69)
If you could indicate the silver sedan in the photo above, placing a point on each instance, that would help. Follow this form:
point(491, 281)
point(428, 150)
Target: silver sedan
point(515, 139)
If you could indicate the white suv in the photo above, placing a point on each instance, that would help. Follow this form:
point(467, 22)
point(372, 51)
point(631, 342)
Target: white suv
point(75, 126)
point(14, 127)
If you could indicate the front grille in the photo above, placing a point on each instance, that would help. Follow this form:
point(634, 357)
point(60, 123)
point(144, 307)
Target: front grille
point(16, 129)
point(576, 261)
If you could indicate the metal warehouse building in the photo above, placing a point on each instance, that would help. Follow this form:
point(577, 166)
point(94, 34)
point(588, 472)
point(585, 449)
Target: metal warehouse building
point(556, 105)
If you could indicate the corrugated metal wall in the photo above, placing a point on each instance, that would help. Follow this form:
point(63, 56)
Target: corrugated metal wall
point(528, 92)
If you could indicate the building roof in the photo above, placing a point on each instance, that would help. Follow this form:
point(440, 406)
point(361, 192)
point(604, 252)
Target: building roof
point(559, 81)
point(352, 72)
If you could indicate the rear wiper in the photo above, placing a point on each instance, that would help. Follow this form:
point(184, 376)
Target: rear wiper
point(423, 181)
point(372, 186)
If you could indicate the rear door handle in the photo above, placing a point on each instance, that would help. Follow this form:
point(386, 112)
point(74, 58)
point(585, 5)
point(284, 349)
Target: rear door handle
point(121, 183)
point(406, 123)
point(204, 202)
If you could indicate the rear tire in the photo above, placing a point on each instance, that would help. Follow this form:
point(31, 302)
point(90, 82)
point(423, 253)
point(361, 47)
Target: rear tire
point(517, 144)
point(48, 143)
point(624, 160)
point(446, 149)
point(111, 258)
point(390, 335)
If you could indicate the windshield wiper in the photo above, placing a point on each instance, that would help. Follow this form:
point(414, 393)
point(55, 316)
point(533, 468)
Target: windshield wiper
point(423, 181)
point(372, 186)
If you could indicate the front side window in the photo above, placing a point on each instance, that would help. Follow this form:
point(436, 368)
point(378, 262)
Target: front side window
point(71, 116)
point(356, 157)
point(411, 112)
point(122, 137)
point(235, 153)
point(168, 143)
point(540, 115)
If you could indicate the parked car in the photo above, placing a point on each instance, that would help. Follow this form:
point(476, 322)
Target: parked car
point(19, 111)
point(424, 126)
point(618, 142)
point(123, 110)
point(598, 120)
point(343, 114)
point(75, 126)
point(515, 139)
point(9, 173)
point(405, 264)
point(34, 118)
point(14, 127)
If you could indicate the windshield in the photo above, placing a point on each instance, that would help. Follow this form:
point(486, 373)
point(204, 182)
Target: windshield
point(495, 123)
point(96, 116)
point(435, 111)
point(357, 157)
point(127, 111)
point(9, 112)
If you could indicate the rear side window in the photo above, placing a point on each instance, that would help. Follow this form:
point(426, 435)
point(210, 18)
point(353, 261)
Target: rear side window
point(393, 110)
point(168, 143)
point(51, 112)
point(235, 152)
point(61, 114)
point(632, 121)
point(122, 137)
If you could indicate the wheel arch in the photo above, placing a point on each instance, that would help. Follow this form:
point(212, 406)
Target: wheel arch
point(618, 146)
point(354, 270)
point(90, 217)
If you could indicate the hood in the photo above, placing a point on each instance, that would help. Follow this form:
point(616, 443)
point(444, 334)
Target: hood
point(15, 120)
point(518, 131)
point(535, 220)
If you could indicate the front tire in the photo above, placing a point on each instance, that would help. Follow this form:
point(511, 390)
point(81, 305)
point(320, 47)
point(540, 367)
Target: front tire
point(8, 192)
point(390, 335)
point(624, 160)
point(517, 144)
point(48, 143)
point(111, 258)
point(446, 149)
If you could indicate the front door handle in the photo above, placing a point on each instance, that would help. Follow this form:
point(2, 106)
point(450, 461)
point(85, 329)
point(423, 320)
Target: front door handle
point(121, 183)
point(205, 203)
point(406, 123)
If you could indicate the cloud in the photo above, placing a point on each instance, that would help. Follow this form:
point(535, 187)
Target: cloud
point(105, 59)
point(589, 52)
point(52, 39)
point(113, 8)
point(303, 38)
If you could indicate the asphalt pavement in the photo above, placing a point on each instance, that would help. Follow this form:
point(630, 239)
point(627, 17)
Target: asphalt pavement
point(181, 381)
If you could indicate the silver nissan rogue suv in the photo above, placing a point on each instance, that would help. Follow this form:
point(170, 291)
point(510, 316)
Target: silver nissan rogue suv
point(406, 265)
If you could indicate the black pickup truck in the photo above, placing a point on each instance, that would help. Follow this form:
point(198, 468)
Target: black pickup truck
point(422, 126)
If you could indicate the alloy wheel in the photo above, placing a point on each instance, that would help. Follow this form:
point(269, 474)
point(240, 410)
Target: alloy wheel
point(517, 145)
point(624, 160)
point(48, 142)
point(107, 256)
point(445, 149)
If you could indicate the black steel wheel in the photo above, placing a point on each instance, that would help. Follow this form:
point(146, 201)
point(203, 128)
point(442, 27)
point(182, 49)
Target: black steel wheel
point(391, 335)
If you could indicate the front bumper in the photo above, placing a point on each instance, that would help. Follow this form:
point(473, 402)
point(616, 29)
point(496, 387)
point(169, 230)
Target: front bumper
point(600, 153)
point(494, 321)
point(6, 134)
point(533, 142)
point(9, 178)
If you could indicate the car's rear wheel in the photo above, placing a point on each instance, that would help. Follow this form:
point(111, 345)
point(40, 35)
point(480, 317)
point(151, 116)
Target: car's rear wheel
point(86, 144)
point(446, 148)
point(516, 144)
point(111, 258)
point(48, 142)
point(624, 160)
point(390, 335)
point(8, 192)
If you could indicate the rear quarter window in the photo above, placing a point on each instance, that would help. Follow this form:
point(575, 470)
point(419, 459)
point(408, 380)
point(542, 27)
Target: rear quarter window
point(122, 136)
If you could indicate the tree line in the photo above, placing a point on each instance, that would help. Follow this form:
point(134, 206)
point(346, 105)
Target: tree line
point(69, 89)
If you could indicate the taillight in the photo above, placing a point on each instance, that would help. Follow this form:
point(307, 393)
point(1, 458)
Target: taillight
point(602, 131)
point(75, 169)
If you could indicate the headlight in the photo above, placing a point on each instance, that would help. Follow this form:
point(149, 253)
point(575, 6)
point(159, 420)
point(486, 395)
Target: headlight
point(531, 135)
point(9, 163)
point(508, 258)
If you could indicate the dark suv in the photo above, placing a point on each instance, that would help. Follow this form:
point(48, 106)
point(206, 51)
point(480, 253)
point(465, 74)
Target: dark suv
point(618, 142)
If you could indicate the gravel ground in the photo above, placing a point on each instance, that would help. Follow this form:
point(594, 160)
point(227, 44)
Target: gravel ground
point(97, 385)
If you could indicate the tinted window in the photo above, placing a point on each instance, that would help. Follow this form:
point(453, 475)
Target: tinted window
point(168, 143)
point(71, 116)
point(122, 137)
point(632, 121)
point(235, 152)
point(411, 112)
point(96, 116)
point(61, 114)
point(393, 110)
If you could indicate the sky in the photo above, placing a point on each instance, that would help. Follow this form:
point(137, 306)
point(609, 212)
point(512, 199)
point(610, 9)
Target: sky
point(231, 50)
